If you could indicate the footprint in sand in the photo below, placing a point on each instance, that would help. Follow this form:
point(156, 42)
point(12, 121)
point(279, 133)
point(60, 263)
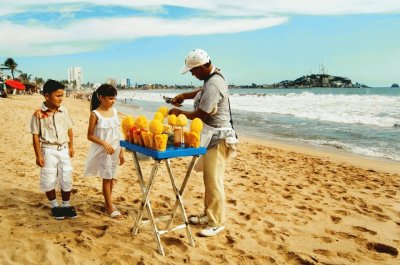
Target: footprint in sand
point(336, 219)
point(101, 230)
point(230, 239)
point(363, 229)
point(327, 239)
point(382, 248)
point(323, 252)
point(232, 201)
point(342, 212)
point(169, 241)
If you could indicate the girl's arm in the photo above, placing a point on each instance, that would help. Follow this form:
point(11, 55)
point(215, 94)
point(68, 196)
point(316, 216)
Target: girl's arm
point(121, 157)
point(91, 137)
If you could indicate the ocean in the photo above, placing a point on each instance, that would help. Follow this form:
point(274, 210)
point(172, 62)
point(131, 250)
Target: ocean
point(363, 121)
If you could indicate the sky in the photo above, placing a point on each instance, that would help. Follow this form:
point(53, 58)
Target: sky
point(252, 41)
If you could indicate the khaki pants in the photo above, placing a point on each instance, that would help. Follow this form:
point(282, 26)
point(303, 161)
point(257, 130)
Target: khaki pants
point(213, 175)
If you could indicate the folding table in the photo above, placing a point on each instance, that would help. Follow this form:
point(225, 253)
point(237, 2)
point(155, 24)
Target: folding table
point(158, 157)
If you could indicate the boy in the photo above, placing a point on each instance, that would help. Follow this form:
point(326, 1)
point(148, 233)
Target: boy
point(51, 128)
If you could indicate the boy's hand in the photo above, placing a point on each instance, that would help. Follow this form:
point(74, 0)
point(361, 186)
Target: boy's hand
point(40, 161)
point(71, 152)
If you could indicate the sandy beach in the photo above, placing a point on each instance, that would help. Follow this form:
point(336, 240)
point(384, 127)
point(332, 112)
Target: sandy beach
point(285, 205)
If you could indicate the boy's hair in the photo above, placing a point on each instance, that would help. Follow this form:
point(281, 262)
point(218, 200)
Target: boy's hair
point(103, 90)
point(51, 85)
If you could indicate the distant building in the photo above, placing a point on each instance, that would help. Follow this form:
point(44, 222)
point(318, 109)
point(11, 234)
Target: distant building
point(96, 85)
point(75, 77)
point(112, 81)
point(126, 82)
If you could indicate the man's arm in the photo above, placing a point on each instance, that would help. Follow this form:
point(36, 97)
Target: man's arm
point(198, 113)
point(178, 99)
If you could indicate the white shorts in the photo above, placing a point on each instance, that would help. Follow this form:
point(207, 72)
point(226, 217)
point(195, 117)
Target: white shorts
point(57, 168)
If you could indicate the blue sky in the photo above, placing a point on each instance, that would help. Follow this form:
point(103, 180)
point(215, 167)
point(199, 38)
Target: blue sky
point(252, 41)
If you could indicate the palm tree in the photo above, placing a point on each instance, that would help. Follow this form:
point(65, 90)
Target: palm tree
point(25, 78)
point(39, 81)
point(10, 63)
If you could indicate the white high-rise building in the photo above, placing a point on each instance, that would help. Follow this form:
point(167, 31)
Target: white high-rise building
point(75, 74)
point(112, 81)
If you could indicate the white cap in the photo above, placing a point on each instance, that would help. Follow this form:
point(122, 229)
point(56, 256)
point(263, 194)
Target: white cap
point(195, 58)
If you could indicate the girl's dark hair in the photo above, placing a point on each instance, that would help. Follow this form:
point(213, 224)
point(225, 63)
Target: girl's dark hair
point(103, 90)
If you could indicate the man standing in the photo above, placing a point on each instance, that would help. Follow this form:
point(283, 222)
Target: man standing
point(212, 107)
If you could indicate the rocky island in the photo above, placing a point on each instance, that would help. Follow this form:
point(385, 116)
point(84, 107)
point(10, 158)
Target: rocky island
point(317, 80)
point(309, 81)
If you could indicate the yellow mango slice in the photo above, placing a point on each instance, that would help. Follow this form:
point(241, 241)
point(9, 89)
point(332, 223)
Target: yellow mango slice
point(141, 122)
point(181, 120)
point(156, 126)
point(196, 125)
point(163, 110)
point(159, 116)
point(127, 123)
point(172, 119)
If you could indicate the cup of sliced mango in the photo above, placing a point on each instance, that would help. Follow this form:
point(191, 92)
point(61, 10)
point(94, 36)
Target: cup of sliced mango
point(156, 133)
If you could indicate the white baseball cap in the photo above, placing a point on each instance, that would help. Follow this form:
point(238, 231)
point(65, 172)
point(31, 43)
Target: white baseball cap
point(195, 58)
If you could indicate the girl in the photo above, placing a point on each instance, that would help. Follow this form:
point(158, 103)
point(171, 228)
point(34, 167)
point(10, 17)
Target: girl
point(105, 152)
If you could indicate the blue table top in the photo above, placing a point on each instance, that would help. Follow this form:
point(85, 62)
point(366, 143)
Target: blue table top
point(170, 152)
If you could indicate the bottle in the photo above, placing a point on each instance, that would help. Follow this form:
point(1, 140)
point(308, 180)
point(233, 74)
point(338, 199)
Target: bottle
point(177, 136)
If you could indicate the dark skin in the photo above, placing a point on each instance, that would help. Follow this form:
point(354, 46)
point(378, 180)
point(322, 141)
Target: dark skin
point(53, 102)
point(200, 72)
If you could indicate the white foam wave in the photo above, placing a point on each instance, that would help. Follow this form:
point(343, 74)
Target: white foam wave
point(367, 151)
point(375, 110)
point(383, 111)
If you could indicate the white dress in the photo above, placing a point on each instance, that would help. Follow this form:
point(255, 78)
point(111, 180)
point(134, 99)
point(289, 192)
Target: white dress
point(98, 161)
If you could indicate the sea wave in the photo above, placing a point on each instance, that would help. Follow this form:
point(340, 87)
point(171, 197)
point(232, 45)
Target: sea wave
point(374, 110)
point(366, 151)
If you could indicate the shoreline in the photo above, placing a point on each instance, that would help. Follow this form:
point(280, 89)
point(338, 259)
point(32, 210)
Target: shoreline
point(337, 156)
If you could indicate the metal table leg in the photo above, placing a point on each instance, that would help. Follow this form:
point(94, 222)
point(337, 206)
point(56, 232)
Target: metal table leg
point(146, 189)
point(179, 200)
point(146, 202)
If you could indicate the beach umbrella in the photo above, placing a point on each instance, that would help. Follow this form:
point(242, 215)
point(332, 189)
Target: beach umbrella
point(15, 84)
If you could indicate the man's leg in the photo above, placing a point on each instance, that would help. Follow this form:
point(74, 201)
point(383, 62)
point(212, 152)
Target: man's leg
point(214, 199)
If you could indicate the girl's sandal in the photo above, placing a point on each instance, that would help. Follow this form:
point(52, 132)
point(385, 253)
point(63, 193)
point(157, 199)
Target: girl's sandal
point(116, 215)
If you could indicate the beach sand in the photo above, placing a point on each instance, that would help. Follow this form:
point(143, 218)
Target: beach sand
point(285, 205)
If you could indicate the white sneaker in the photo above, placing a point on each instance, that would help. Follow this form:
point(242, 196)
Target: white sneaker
point(201, 219)
point(211, 230)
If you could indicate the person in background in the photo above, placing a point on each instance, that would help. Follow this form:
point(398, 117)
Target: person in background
point(51, 129)
point(212, 107)
point(105, 153)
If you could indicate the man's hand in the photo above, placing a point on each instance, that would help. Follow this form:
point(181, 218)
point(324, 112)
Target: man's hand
point(178, 100)
point(174, 111)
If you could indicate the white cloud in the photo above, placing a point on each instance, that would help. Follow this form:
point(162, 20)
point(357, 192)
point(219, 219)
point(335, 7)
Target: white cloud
point(37, 38)
point(229, 7)
point(92, 33)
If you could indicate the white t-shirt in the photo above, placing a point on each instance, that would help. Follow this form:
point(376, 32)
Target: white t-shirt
point(215, 93)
